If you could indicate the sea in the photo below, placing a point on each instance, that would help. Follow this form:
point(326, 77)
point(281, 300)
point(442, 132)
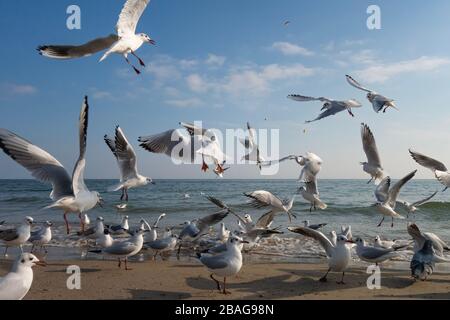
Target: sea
point(349, 203)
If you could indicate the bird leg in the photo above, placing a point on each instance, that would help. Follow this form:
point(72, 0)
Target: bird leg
point(123, 194)
point(67, 222)
point(32, 248)
point(342, 279)
point(379, 225)
point(140, 60)
point(204, 167)
point(126, 265)
point(120, 263)
point(81, 222)
point(310, 208)
point(6, 251)
point(224, 284)
point(135, 69)
point(217, 282)
point(370, 180)
point(126, 195)
point(445, 189)
point(324, 278)
point(350, 112)
point(178, 252)
point(219, 169)
point(392, 224)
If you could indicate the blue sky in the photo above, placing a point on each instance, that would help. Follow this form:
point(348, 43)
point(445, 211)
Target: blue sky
point(226, 63)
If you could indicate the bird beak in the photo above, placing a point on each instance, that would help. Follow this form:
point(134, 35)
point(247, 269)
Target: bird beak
point(152, 42)
point(244, 241)
point(41, 263)
point(350, 241)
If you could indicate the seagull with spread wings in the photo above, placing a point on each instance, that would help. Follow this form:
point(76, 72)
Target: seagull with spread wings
point(311, 165)
point(387, 196)
point(125, 42)
point(310, 192)
point(330, 106)
point(378, 101)
point(251, 147)
point(439, 169)
point(413, 207)
point(126, 159)
point(265, 199)
point(69, 194)
point(373, 164)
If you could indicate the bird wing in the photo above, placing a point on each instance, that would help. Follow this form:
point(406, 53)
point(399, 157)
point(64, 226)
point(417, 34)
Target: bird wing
point(271, 162)
point(428, 162)
point(222, 205)
point(421, 202)
point(214, 262)
point(129, 17)
point(317, 235)
point(298, 97)
point(164, 143)
point(373, 252)
point(395, 189)
point(334, 109)
point(356, 84)
point(78, 184)
point(261, 199)
point(193, 129)
point(121, 248)
point(9, 234)
point(42, 165)
point(126, 157)
point(382, 190)
point(311, 187)
point(369, 146)
point(265, 220)
point(210, 220)
point(84, 50)
point(416, 234)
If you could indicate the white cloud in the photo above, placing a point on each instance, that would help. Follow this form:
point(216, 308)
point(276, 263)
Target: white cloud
point(290, 49)
point(164, 72)
point(215, 61)
point(185, 103)
point(196, 83)
point(18, 89)
point(383, 72)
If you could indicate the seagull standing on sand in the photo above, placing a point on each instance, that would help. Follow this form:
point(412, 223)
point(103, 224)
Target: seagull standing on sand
point(439, 169)
point(373, 254)
point(330, 106)
point(373, 165)
point(69, 194)
point(338, 254)
point(42, 236)
point(105, 240)
point(265, 199)
point(377, 100)
point(225, 264)
point(16, 284)
point(423, 261)
point(125, 42)
point(387, 197)
point(165, 244)
point(95, 231)
point(126, 159)
point(17, 237)
point(124, 249)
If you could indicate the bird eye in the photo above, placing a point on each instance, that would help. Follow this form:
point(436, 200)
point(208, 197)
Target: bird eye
point(23, 261)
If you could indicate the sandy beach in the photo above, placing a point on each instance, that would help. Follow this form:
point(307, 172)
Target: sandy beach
point(163, 280)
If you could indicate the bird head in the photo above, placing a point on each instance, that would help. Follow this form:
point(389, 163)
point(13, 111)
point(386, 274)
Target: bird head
point(144, 37)
point(29, 220)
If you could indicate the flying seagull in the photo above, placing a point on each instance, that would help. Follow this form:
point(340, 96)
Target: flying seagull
point(251, 147)
point(310, 192)
point(439, 169)
point(69, 194)
point(413, 207)
point(126, 159)
point(330, 107)
point(373, 164)
point(378, 101)
point(311, 165)
point(125, 42)
point(387, 196)
point(265, 199)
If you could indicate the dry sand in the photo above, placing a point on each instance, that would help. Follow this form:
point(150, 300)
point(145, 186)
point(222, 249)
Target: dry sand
point(189, 280)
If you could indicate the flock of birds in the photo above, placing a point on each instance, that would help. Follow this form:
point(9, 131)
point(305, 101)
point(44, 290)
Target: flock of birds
point(188, 144)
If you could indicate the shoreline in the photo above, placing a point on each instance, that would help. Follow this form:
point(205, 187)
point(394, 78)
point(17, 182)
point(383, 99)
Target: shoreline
point(179, 280)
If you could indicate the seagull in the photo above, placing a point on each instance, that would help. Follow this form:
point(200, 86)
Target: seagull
point(306, 224)
point(105, 240)
point(121, 206)
point(95, 231)
point(225, 264)
point(384, 244)
point(165, 244)
point(17, 236)
point(152, 235)
point(310, 193)
point(120, 228)
point(16, 284)
point(311, 165)
point(125, 42)
point(250, 230)
point(85, 220)
point(252, 147)
point(124, 249)
point(439, 169)
point(173, 143)
point(263, 199)
point(420, 237)
point(126, 159)
point(197, 228)
point(330, 107)
point(423, 261)
point(378, 101)
point(69, 194)
point(387, 196)
point(338, 254)
point(374, 254)
point(413, 207)
point(373, 165)
point(224, 233)
point(42, 236)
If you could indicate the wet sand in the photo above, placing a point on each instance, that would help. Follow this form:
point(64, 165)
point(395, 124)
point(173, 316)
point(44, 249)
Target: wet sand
point(102, 279)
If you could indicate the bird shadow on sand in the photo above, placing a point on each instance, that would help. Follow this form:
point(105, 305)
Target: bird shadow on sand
point(139, 294)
